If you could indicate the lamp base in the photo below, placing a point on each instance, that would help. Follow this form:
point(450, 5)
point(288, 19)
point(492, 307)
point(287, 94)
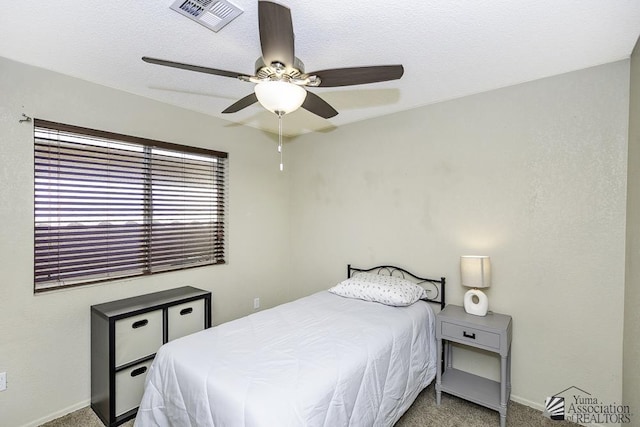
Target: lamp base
point(476, 302)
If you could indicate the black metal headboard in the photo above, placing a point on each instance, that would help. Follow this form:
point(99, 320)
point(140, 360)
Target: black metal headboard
point(434, 287)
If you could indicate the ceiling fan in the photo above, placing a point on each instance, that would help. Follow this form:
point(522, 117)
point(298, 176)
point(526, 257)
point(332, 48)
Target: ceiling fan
point(280, 76)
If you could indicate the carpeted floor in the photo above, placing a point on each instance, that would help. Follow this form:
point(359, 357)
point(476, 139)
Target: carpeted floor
point(453, 412)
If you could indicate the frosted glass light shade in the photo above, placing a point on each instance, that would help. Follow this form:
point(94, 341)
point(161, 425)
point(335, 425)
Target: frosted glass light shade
point(280, 97)
point(475, 271)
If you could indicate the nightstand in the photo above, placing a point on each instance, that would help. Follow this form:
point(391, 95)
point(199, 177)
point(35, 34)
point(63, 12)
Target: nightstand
point(492, 333)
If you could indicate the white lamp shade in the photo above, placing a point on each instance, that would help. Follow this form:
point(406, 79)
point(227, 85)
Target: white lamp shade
point(280, 97)
point(475, 271)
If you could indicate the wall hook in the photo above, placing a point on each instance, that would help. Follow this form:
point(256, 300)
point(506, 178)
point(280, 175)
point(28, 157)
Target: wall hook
point(26, 118)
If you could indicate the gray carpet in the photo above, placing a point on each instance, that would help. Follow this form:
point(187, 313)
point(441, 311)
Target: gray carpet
point(452, 412)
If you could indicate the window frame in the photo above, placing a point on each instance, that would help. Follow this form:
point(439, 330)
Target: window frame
point(215, 206)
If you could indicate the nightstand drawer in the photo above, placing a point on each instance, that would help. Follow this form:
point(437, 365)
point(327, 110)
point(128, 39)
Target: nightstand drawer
point(472, 336)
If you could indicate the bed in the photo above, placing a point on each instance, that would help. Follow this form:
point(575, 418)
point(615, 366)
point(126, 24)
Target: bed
point(329, 359)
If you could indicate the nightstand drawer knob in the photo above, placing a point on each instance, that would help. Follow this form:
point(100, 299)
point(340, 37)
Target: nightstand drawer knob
point(466, 335)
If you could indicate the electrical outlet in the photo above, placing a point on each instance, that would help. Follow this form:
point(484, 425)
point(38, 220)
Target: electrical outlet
point(256, 303)
point(3, 381)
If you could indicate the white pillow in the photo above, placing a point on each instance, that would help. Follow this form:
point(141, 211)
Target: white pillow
point(388, 290)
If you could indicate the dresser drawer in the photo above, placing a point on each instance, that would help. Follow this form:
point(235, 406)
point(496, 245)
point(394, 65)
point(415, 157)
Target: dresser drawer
point(130, 387)
point(472, 336)
point(185, 319)
point(138, 336)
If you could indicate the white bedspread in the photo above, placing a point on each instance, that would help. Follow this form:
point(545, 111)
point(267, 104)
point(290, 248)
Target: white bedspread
point(323, 360)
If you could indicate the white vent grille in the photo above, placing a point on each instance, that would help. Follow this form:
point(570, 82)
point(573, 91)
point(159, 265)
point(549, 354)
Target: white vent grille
point(213, 14)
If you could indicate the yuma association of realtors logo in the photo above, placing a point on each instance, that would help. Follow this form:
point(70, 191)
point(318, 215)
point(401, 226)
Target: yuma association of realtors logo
point(554, 408)
point(582, 407)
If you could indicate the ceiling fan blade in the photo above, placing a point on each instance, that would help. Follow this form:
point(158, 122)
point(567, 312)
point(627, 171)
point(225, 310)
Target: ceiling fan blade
point(190, 67)
point(242, 103)
point(276, 33)
point(318, 106)
point(358, 75)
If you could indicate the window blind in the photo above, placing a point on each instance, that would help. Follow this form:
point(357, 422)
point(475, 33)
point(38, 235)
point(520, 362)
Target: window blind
point(110, 206)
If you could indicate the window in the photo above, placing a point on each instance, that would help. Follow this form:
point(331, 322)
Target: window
point(110, 206)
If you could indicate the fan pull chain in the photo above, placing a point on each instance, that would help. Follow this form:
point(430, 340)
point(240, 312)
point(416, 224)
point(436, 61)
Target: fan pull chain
point(280, 140)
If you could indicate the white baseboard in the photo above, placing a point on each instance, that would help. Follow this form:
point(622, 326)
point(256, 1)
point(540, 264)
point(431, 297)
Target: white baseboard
point(535, 405)
point(58, 414)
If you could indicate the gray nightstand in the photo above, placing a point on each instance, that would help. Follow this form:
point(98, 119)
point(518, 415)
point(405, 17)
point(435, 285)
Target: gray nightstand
point(492, 333)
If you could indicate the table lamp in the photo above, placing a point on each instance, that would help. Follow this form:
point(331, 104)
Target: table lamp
point(475, 272)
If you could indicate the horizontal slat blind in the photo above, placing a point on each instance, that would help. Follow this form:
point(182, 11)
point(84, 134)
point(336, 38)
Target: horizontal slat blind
point(109, 206)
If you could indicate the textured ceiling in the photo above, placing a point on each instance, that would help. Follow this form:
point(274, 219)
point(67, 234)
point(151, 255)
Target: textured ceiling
point(449, 48)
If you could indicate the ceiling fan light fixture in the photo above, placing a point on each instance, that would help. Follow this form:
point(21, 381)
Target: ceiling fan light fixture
point(280, 97)
point(280, 76)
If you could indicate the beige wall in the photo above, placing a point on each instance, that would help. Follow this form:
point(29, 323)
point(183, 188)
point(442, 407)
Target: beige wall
point(631, 382)
point(533, 175)
point(44, 339)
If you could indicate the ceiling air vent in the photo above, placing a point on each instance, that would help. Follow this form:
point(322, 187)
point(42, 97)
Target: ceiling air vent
point(213, 14)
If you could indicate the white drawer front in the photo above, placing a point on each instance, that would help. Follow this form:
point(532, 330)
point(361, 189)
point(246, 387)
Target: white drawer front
point(138, 336)
point(130, 387)
point(185, 319)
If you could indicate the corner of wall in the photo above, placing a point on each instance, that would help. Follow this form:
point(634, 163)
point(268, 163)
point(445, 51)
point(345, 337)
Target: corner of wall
point(631, 345)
